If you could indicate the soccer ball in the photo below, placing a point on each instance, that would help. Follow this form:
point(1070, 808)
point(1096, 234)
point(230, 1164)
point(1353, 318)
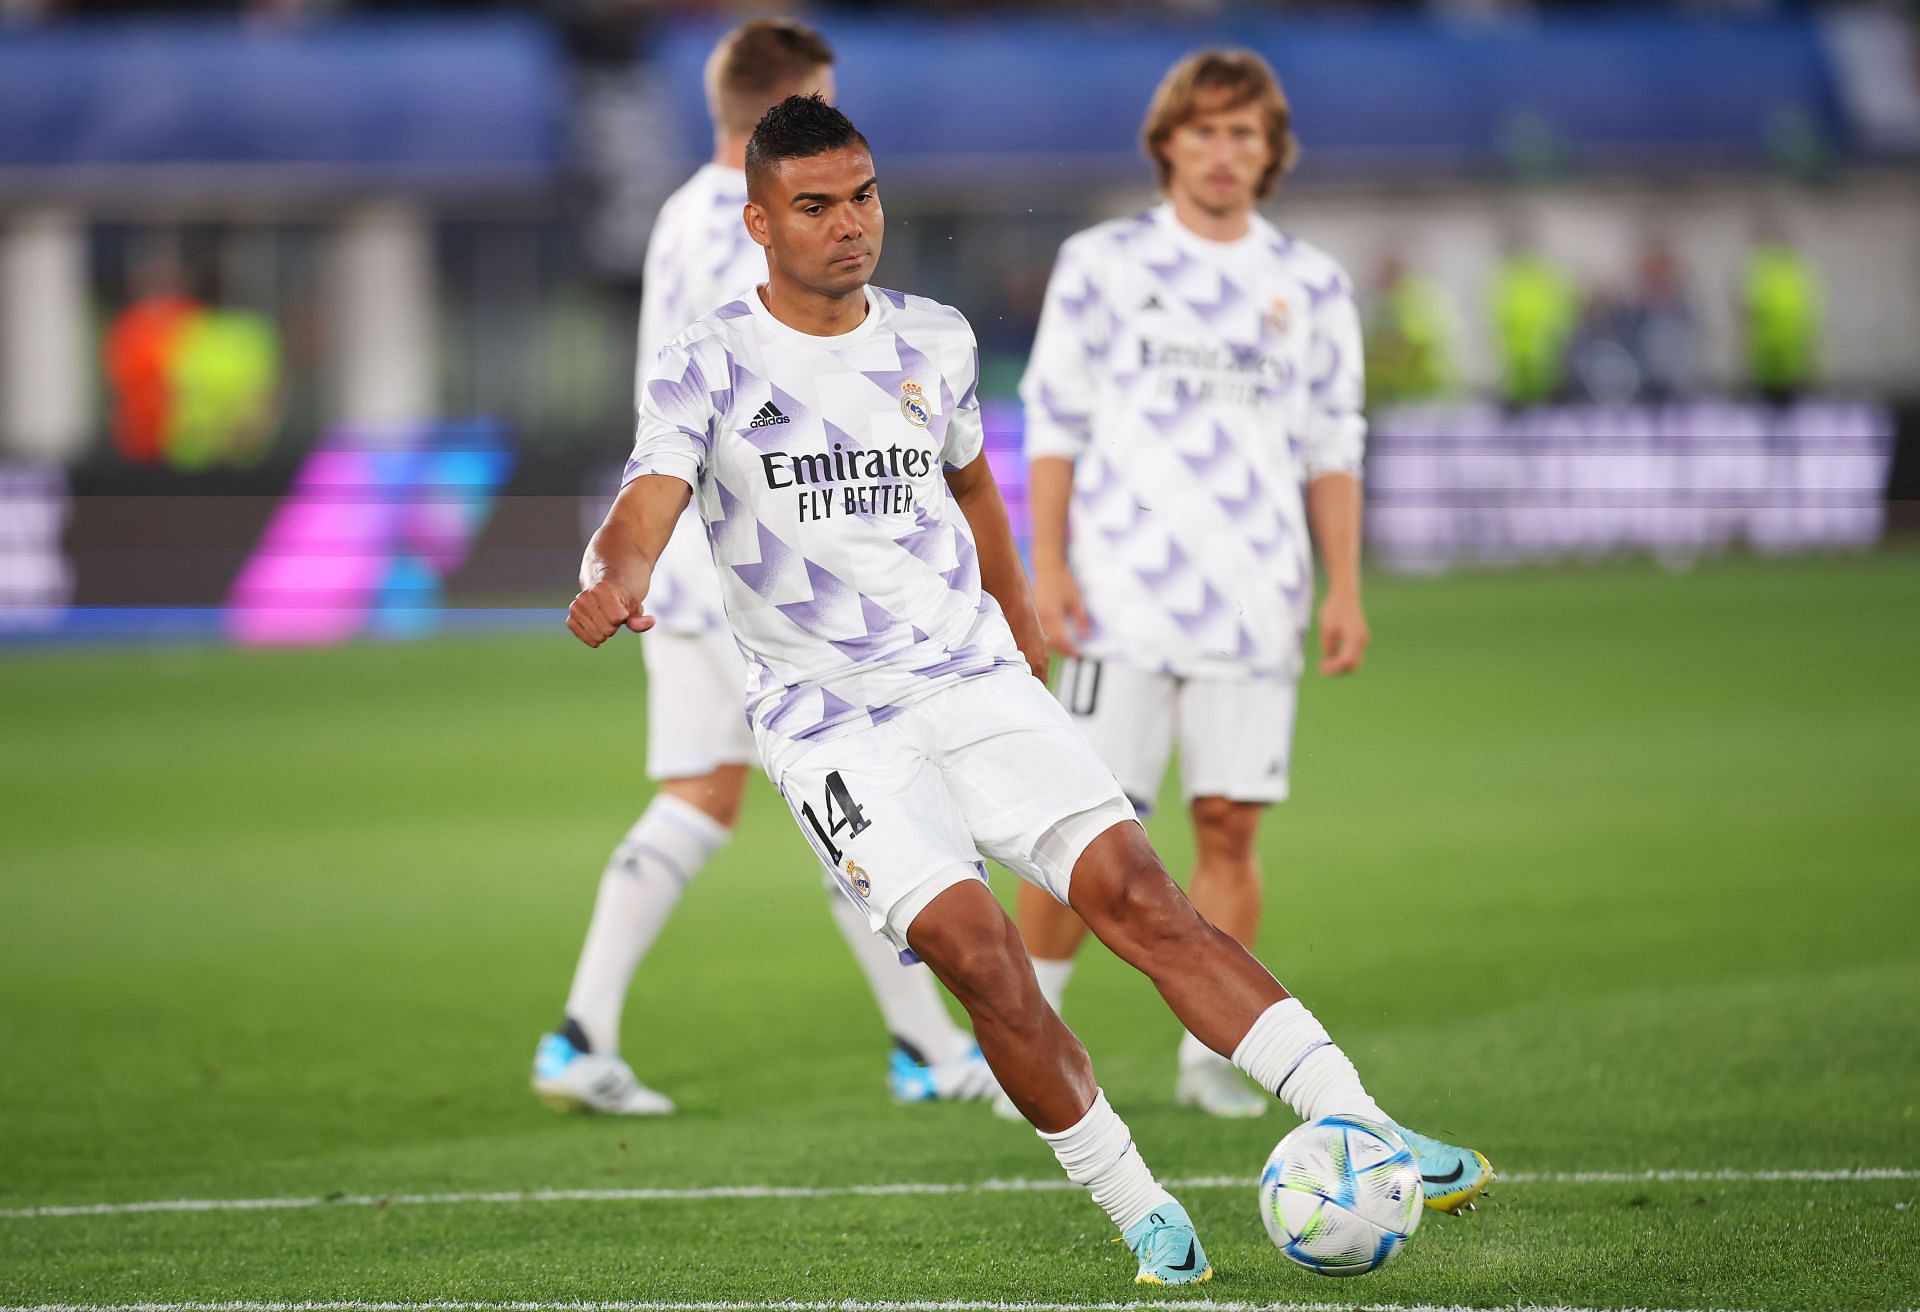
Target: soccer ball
point(1340, 1195)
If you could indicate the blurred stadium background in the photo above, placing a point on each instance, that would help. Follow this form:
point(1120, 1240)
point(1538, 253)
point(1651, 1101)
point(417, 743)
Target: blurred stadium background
point(317, 324)
point(1638, 280)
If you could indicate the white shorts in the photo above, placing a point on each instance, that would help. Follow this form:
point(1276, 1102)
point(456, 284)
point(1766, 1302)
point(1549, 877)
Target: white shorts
point(696, 704)
point(904, 810)
point(1235, 735)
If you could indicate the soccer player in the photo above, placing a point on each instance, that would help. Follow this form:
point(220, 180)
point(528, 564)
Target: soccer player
point(698, 744)
point(1193, 369)
point(830, 434)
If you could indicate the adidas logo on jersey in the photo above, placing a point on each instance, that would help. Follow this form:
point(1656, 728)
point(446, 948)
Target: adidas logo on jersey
point(1152, 302)
point(769, 414)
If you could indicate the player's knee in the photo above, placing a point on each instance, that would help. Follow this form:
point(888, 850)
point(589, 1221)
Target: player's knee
point(1138, 909)
point(982, 962)
point(1225, 830)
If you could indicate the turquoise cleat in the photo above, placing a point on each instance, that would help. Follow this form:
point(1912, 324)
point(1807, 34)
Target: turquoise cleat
point(1453, 1178)
point(1168, 1249)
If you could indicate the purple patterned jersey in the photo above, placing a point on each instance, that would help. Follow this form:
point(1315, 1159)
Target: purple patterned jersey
point(698, 258)
point(1197, 386)
point(818, 465)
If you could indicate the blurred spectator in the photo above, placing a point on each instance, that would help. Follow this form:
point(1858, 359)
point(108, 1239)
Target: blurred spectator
point(1536, 309)
point(1783, 308)
point(1604, 367)
point(192, 384)
point(1661, 329)
point(1412, 338)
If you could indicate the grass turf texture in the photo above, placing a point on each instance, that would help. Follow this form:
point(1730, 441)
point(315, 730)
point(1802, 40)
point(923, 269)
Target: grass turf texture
point(1599, 871)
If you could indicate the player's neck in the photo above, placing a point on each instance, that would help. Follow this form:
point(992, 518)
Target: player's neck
point(1213, 225)
point(807, 311)
point(730, 152)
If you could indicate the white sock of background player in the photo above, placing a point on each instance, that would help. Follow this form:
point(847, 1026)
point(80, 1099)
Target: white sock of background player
point(908, 996)
point(642, 883)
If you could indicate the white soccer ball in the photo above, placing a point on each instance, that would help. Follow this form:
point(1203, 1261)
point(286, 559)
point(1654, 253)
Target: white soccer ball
point(1340, 1195)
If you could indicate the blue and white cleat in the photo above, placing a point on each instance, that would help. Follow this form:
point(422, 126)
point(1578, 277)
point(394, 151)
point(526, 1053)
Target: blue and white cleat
point(1168, 1249)
point(1452, 1178)
point(965, 1078)
point(570, 1080)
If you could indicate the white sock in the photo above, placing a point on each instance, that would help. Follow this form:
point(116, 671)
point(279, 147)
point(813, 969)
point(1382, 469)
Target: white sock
point(1288, 1053)
point(1053, 974)
point(908, 996)
point(643, 880)
point(1098, 1152)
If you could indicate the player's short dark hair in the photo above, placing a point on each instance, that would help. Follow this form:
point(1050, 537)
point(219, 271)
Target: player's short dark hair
point(799, 127)
point(757, 63)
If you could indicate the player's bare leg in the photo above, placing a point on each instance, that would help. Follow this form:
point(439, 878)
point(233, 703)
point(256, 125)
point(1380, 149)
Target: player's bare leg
point(691, 817)
point(967, 940)
point(1052, 934)
point(973, 947)
point(717, 793)
point(1231, 1003)
point(1225, 890)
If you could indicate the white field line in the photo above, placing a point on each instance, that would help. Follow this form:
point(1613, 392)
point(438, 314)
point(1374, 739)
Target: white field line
point(775, 1191)
point(848, 1305)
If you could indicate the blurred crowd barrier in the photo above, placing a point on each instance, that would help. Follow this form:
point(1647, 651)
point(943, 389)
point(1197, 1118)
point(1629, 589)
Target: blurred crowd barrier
point(1584, 241)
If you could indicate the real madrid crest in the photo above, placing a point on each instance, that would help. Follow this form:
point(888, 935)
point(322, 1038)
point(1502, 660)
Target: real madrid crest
point(1279, 316)
point(861, 884)
point(913, 404)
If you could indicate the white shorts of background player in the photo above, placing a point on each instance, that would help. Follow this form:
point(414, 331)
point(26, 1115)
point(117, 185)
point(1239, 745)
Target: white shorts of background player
point(1235, 734)
point(987, 768)
point(696, 704)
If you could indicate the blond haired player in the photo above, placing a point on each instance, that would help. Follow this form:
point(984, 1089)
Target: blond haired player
point(698, 743)
point(1193, 411)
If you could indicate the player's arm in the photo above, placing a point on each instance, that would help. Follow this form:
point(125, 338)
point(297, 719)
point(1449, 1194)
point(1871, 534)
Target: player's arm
point(1056, 594)
point(1333, 510)
point(672, 437)
point(1001, 574)
point(618, 567)
point(1331, 449)
point(1057, 391)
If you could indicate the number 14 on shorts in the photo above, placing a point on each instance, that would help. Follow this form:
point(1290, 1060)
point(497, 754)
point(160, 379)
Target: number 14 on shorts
point(843, 816)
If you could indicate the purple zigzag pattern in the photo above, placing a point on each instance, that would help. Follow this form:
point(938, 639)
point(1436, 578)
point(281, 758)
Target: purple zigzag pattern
point(733, 310)
point(1222, 450)
point(1318, 296)
point(965, 574)
point(1325, 380)
point(1231, 298)
point(898, 299)
point(775, 556)
point(830, 593)
point(1160, 576)
point(1167, 270)
point(912, 364)
point(1212, 607)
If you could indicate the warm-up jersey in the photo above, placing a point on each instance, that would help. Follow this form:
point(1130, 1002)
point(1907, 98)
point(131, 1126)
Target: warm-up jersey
point(698, 258)
point(818, 464)
point(1197, 386)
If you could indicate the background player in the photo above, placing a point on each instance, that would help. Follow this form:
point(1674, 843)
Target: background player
point(698, 744)
point(1194, 368)
point(870, 575)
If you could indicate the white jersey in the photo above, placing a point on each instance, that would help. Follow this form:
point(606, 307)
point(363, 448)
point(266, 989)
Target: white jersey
point(1197, 386)
point(849, 575)
point(698, 258)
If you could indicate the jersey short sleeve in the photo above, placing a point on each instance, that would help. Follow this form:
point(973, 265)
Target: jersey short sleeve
point(1334, 434)
point(966, 434)
point(674, 433)
point(1059, 389)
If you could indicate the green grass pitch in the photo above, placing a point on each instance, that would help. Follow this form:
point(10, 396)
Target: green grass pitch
point(1605, 872)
